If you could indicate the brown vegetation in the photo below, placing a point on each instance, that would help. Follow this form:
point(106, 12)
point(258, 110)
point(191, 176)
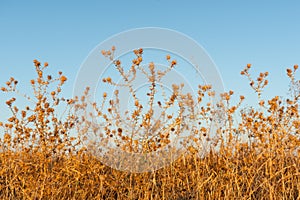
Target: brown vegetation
point(256, 157)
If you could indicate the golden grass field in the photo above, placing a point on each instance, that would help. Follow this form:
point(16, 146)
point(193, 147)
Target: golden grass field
point(256, 157)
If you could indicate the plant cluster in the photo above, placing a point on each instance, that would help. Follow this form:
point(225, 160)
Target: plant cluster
point(253, 157)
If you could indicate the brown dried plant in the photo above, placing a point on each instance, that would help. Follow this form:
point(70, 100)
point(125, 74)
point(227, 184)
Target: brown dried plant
point(252, 156)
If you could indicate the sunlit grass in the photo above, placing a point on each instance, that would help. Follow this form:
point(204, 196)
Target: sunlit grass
point(254, 157)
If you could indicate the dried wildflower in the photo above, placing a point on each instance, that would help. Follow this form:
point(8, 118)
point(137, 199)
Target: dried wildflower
point(7, 137)
point(140, 51)
point(36, 63)
point(11, 119)
point(136, 103)
point(151, 66)
point(118, 62)
point(174, 62)
point(227, 97)
point(108, 79)
point(266, 73)
point(63, 79)
point(203, 129)
point(23, 113)
point(31, 118)
point(140, 59)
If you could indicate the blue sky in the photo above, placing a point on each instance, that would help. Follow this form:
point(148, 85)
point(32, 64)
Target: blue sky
point(234, 33)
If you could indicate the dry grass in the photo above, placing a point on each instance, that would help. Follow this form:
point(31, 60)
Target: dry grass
point(255, 157)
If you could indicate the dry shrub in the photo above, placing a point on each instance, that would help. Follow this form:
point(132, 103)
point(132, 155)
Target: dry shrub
point(253, 157)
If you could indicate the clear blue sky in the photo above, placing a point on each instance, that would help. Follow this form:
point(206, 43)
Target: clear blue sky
point(234, 33)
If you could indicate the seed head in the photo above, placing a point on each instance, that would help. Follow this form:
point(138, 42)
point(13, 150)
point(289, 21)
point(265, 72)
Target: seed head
point(63, 79)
